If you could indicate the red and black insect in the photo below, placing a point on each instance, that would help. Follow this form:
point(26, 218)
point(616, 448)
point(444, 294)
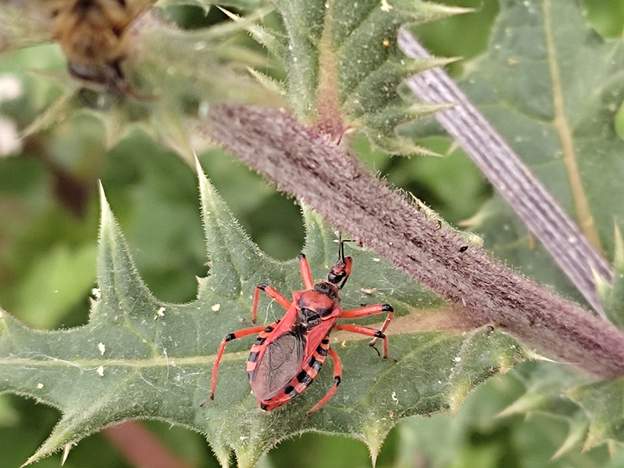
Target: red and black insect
point(289, 353)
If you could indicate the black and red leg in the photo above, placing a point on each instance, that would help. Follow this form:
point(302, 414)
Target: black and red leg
point(368, 332)
point(271, 292)
point(369, 310)
point(217, 363)
point(337, 363)
point(306, 272)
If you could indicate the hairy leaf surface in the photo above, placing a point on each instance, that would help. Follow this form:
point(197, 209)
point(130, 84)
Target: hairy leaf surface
point(141, 358)
point(592, 409)
point(343, 67)
point(552, 86)
point(442, 439)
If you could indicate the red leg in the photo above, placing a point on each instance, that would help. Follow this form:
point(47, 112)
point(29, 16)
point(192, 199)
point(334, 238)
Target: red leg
point(367, 311)
point(368, 332)
point(272, 293)
point(371, 310)
point(229, 337)
point(337, 363)
point(306, 272)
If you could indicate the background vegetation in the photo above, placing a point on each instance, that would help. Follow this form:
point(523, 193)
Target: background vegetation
point(48, 232)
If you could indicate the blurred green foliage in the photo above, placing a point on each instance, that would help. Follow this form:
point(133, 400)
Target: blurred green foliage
point(48, 232)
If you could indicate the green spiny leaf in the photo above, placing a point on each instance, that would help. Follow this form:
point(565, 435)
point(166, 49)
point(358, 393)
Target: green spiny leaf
point(551, 86)
point(343, 66)
point(603, 405)
point(544, 393)
point(592, 409)
point(440, 441)
point(139, 357)
point(558, 117)
point(612, 293)
point(577, 432)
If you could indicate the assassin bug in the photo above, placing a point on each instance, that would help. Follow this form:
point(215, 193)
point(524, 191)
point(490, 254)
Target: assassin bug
point(289, 353)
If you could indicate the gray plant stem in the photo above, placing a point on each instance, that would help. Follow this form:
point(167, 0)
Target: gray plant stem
point(306, 164)
point(510, 177)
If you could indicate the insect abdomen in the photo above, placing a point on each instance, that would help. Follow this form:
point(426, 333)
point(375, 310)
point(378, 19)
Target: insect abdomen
point(303, 378)
point(272, 366)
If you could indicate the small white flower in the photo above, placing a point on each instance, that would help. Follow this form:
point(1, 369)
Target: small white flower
point(9, 138)
point(10, 87)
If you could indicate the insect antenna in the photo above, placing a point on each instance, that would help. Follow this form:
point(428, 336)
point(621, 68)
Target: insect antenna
point(341, 244)
point(340, 272)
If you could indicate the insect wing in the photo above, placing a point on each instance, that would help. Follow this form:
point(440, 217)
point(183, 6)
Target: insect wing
point(279, 363)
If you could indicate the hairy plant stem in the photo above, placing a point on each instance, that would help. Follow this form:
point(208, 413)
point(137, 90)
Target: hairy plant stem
point(572, 251)
point(327, 178)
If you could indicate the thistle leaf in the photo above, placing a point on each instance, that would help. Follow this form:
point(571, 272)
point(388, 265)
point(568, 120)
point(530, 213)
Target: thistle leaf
point(612, 293)
point(602, 403)
point(141, 358)
point(552, 87)
point(342, 65)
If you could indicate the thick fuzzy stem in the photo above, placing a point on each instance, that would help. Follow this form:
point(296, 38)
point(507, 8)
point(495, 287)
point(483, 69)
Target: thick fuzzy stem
point(334, 183)
point(510, 177)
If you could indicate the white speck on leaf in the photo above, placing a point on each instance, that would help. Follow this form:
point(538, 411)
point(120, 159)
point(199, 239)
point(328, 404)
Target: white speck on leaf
point(385, 6)
point(95, 292)
point(216, 307)
point(39, 385)
point(100, 371)
point(160, 313)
